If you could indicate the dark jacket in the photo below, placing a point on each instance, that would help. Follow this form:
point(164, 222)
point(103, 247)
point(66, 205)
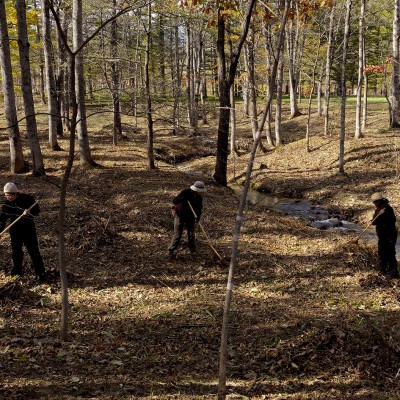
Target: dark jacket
point(386, 222)
point(182, 208)
point(11, 210)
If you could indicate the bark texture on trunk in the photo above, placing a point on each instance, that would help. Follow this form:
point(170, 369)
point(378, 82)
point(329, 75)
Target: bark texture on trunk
point(26, 86)
point(82, 130)
point(395, 91)
point(225, 81)
point(17, 162)
point(51, 87)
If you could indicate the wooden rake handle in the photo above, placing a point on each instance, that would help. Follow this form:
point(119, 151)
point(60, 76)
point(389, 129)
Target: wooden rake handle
point(14, 222)
point(204, 231)
point(369, 224)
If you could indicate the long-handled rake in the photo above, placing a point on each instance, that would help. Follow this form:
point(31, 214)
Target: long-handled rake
point(355, 241)
point(205, 233)
point(14, 222)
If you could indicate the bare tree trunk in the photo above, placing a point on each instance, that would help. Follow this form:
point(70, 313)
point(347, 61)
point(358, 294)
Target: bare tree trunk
point(395, 91)
point(63, 77)
point(365, 98)
point(190, 87)
point(51, 89)
point(83, 138)
point(41, 62)
point(278, 105)
point(176, 78)
point(246, 94)
point(26, 86)
point(238, 224)
point(161, 55)
point(233, 123)
point(295, 51)
point(267, 32)
point(17, 162)
point(115, 84)
point(62, 256)
point(136, 82)
point(343, 87)
point(203, 90)
point(328, 71)
point(314, 70)
point(150, 133)
point(225, 81)
point(319, 91)
point(250, 56)
point(361, 39)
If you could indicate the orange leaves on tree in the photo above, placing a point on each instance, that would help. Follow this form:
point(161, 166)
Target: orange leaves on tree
point(374, 69)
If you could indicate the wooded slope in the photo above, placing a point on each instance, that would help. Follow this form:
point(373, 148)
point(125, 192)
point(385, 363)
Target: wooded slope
point(311, 317)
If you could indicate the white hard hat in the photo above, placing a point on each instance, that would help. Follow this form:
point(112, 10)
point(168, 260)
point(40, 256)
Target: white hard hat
point(10, 188)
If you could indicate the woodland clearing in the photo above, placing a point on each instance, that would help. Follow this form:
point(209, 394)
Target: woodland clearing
point(311, 318)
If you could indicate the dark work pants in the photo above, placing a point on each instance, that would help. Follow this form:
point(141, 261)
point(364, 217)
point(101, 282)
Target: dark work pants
point(387, 256)
point(28, 238)
point(178, 231)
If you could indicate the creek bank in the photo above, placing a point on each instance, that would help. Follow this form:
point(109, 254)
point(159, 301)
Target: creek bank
point(317, 216)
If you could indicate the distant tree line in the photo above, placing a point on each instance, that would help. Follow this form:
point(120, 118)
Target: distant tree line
point(177, 61)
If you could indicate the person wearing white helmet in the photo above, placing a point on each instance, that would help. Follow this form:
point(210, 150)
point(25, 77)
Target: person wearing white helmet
point(187, 208)
point(23, 231)
point(385, 224)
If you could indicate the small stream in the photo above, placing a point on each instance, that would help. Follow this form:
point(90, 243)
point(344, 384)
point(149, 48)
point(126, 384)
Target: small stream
point(317, 216)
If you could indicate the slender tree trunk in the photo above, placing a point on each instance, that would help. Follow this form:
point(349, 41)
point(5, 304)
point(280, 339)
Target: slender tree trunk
point(246, 93)
point(225, 81)
point(51, 88)
point(294, 50)
point(17, 162)
point(41, 62)
point(136, 82)
point(161, 57)
point(314, 70)
point(203, 90)
point(115, 84)
point(252, 87)
point(82, 130)
point(63, 77)
point(190, 87)
point(267, 32)
point(319, 91)
point(233, 123)
point(365, 97)
point(176, 77)
point(343, 87)
point(328, 71)
point(361, 38)
point(62, 254)
point(238, 224)
point(278, 105)
point(62, 257)
point(150, 133)
point(395, 90)
point(26, 86)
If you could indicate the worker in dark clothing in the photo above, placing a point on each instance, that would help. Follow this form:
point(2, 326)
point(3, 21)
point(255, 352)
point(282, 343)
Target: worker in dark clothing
point(385, 223)
point(23, 232)
point(185, 216)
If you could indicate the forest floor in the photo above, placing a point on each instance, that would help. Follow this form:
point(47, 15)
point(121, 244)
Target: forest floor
point(311, 317)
